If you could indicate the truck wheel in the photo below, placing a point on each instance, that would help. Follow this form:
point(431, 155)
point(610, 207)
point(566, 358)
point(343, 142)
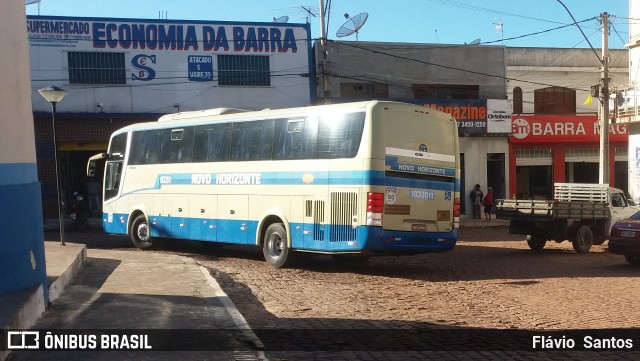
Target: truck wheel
point(140, 233)
point(275, 246)
point(634, 260)
point(536, 243)
point(584, 239)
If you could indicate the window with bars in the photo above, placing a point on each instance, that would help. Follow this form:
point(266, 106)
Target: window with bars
point(96, 68)
point(244, 70)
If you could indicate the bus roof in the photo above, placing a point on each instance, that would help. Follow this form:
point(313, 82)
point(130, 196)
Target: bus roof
point(230, 114)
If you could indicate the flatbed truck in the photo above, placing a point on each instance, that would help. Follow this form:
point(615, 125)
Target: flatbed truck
point(581, 213)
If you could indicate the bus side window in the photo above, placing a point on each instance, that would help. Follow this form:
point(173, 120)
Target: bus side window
point(295, 138)
point(212, 143)
point(145, 147)
point(177, 145)
point(340, 138)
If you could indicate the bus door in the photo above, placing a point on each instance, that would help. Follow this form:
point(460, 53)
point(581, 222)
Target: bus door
point(113, 173)
point(419, 175)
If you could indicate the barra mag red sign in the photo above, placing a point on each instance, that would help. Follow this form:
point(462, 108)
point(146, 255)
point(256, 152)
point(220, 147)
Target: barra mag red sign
point(561, 128)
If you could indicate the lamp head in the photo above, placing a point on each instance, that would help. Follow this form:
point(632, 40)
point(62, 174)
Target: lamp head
point(52, 94)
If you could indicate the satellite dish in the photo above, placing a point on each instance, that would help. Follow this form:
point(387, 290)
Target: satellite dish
point(352, 25)
point(475, 42)
point(282, 19)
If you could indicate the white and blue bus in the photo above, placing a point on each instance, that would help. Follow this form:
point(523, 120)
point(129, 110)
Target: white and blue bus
point(355, 179)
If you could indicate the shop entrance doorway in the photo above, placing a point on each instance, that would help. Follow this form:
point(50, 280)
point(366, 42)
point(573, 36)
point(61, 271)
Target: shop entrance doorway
point(496, 174)
point(534, 182)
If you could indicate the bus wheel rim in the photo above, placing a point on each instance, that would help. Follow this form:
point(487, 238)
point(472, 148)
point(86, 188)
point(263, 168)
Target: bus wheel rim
point(275, 245)
point(143, 232)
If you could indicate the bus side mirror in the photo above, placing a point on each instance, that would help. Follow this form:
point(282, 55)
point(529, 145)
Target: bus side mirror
point(91, 164)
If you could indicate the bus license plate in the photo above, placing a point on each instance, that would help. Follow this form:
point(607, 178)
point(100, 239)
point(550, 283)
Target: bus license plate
point(628, 233)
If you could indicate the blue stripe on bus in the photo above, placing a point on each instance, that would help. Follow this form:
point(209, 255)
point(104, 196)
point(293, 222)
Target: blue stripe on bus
point(345, 239)
point(334, 178)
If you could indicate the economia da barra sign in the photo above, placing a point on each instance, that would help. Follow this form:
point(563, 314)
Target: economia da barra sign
point(560, 128)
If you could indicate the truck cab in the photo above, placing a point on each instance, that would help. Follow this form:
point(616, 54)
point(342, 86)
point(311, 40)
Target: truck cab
point(622, 207)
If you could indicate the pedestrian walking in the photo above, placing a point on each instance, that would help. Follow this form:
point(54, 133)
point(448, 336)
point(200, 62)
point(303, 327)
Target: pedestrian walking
point(488, 204)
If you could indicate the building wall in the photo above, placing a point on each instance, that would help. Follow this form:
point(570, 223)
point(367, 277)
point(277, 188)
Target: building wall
point(634, 58)
point(538, 68)
point(400, 65)
point(476, 152)
point(629, 110)
point(170, 65)
point(22, 262)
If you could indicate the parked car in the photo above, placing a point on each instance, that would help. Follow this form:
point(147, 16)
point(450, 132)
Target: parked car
point(625, 239)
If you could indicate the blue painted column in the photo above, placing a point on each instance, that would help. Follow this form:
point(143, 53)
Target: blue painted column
point(22, 261)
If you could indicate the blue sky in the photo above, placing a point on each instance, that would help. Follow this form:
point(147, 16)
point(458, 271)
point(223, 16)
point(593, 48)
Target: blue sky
point(407, 21)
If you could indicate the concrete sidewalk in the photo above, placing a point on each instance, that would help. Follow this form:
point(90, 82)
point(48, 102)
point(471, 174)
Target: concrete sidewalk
point(133, 290)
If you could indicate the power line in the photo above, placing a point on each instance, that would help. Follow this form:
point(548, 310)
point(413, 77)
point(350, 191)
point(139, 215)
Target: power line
point(479, 8)
point(579, 28)
point(540, 32)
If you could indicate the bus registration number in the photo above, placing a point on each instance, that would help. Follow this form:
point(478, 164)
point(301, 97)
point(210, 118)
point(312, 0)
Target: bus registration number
point(419, 194)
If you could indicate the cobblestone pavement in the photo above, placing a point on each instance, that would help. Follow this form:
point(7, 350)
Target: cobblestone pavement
point(489, 283)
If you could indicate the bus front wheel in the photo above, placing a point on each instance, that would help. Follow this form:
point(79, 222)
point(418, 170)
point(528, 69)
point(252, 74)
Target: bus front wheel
point(140, 233)
point(275, 246)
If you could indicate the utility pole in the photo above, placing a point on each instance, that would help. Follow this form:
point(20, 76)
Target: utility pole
point(604, 114)
point(326, 93)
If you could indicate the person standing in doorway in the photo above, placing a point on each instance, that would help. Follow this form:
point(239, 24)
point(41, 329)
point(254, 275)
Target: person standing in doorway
point(476, 201)
point(488, 203)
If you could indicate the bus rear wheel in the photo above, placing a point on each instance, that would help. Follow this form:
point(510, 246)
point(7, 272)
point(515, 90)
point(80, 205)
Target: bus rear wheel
point(275, 247)
point(139, 232)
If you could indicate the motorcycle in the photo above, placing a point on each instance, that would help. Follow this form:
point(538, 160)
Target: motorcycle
point(78, 212)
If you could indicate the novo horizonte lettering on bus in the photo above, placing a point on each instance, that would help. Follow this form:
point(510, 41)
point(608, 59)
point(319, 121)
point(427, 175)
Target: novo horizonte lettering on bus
point(172, 37)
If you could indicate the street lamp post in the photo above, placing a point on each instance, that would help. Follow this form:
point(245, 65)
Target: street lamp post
point(54, 95)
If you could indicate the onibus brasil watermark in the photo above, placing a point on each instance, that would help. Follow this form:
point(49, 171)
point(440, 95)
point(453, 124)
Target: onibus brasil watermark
point(37, 340)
